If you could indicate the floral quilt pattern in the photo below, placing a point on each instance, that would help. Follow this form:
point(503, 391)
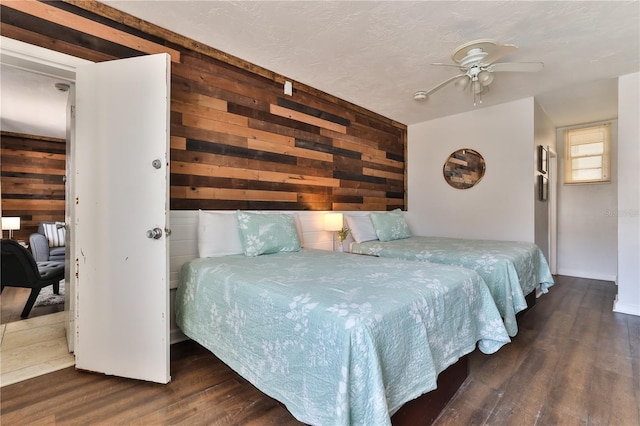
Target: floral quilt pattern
point(511, 269)
point(340, 339)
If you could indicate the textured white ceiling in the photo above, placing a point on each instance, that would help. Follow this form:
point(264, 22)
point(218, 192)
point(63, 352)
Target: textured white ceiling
point(30, 103)
point(378, 53)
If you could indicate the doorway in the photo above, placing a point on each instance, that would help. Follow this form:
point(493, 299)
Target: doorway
point(123, 108)
point(35, 141)
point(34, 145)
point(33, 168)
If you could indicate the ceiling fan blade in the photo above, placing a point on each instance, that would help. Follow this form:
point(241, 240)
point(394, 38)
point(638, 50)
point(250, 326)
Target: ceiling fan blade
point(440, 64)
point(499, 52)
point(444, 83)
point(516, 67)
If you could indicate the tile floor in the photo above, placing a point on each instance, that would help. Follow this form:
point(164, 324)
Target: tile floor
point(33, 347)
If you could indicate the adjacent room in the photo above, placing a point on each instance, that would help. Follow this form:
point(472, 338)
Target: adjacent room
point(338, 212)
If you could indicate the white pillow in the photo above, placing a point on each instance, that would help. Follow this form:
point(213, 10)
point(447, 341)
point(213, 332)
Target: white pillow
point(218, 234)
point(361, 228)
point(55, 233)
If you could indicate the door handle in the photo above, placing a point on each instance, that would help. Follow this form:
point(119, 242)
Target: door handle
point(154, 233)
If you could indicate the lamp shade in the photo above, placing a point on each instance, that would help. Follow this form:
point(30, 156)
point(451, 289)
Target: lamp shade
point(485, 78)
point(11, 223)
point(333, 222)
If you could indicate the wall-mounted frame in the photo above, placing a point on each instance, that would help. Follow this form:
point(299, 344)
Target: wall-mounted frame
point(464, 168)
point(543, 188)
point(543, 159)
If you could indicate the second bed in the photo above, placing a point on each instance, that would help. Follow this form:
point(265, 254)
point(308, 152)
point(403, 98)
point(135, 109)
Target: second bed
point(511, 269)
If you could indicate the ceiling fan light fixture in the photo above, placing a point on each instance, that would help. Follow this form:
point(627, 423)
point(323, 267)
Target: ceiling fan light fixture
point(462, 83)
point(485, 78)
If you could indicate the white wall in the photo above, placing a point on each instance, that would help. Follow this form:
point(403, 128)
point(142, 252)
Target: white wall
point(501, 205)
point(628, 209)
point(587, 224)
point(545, 135)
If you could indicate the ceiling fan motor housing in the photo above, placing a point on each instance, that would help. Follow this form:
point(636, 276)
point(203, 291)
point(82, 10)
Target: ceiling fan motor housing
point(474, 57)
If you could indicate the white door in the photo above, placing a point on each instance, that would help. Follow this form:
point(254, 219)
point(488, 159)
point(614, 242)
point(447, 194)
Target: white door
point(122, 134)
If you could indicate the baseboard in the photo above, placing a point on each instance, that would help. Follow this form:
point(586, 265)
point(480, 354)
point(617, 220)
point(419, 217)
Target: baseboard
point(588, 275)
point(626, 308)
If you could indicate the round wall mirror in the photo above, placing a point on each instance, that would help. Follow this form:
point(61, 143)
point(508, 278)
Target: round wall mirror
point(464, 168)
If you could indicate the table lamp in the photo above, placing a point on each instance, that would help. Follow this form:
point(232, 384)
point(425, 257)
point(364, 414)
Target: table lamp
point(334, 222)
point(11, 224)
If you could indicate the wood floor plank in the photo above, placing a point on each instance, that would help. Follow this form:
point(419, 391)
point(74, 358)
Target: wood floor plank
point(475, 409)
point(612, 399)
point(530, 384)
point(568, 396)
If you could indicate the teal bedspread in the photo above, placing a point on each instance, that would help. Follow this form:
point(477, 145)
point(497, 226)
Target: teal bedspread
point(511, 269)
point(340, 339)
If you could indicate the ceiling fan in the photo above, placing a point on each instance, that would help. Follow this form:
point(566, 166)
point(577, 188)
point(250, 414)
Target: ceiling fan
point(477, 62)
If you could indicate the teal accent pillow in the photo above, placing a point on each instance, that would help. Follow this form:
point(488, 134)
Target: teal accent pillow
point(267, 233)
point(390, 225)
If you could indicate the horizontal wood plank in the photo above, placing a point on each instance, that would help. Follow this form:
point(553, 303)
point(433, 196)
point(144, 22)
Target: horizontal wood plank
point(221, 171)
point(298, 116)
point(231, 194)
point(381, 173)
point(54, 14)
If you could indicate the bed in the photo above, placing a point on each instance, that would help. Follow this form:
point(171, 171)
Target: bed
point(512, 270)
point(339, 339)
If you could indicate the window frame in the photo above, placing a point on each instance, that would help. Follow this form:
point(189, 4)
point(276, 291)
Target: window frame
point(606, 154)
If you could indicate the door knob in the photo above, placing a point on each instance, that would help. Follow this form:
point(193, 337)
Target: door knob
point(154, 233)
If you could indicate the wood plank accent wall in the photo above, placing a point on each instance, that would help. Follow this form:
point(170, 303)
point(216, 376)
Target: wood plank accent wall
point(237, 142)
point(31, 176)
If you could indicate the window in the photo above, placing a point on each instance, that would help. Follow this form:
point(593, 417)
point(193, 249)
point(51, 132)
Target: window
point(587, 154)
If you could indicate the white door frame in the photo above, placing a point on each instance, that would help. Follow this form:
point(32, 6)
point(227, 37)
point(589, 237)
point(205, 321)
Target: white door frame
point(59, 65)
point(69, 220)
point(553, 210)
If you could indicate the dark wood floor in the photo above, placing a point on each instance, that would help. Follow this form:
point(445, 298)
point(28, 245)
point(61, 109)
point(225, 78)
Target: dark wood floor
point(574, 361)
point(12, 301)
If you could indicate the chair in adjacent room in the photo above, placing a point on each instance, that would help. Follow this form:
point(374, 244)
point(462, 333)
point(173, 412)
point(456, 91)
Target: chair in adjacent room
point(48, 243)
point(19, 269)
